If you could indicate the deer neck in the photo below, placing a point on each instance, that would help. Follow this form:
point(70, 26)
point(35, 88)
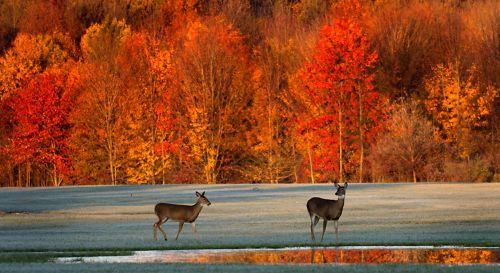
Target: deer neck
point(340, 201)
point(196, 210)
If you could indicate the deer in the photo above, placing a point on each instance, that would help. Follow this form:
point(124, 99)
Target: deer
point(327, 210)
point(179, 213)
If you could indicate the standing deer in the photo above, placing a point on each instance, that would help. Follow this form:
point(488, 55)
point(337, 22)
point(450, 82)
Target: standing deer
point(327, 210)
point(179, 213)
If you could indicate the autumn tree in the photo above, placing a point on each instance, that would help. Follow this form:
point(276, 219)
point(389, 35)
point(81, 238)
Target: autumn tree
point(407, 149)
point(31, 55)
point(215, 71)
point(11, 12)
point(339, 83)
point(102, 41)
point(308, 11)
point(28, 57)
point(301, 110)
point(98, 133)
point(459, 104)
point(278, 59)
point(41, 126)
point(142, 13)
point(81, 14)
point(42, 17)
point(171, 121)
point(147, 66)
point(169, 111)
point(405, 35)
point(484, 30)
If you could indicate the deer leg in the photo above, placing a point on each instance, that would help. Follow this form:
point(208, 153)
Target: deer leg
point(163, 232)
point(314, 221)
point(157, 226)
point(336, 224)
point(161, 229)
point(324, 228)
point(193, 228)
point(181, 224)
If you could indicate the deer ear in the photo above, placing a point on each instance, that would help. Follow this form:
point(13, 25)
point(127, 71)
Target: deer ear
point(203, 194)
point(198, 194)
point(336, 185)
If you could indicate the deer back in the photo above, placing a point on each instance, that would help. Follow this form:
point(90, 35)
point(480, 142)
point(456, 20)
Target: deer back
point(178, 212)
point(325, 208)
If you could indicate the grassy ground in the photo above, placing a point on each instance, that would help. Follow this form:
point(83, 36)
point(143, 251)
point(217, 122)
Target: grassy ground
point(100, 219)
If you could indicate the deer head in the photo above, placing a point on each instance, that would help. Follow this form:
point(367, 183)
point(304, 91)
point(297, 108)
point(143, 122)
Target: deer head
point(202, 199)
point(340, 190)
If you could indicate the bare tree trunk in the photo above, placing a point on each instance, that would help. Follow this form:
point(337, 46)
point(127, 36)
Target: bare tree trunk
point(11, 175)
point(341, 160)
point(270, 138)
point(153, 155)
point(111, 158)
point(162, 164)
point(153, 133)
point(111, 167)
point(28, 174)
point(54, 175)
point(19, 176)
point(36, 177)
point(361, 138)
point(111, 148)
point(294, 165)
point(115, 167)
point(211, 165)
point(153, 160)
point(311, 169)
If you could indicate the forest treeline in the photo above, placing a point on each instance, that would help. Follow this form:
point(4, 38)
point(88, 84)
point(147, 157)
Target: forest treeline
point(248, 91)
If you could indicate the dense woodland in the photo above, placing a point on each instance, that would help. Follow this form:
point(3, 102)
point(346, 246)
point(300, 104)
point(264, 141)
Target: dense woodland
point(248, 91)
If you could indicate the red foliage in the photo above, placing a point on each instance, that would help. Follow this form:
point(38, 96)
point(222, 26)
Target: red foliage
point(338, 82)
point(40, 118)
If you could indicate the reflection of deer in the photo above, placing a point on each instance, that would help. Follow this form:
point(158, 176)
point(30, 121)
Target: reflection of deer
point(327, 210)
point(179, 213)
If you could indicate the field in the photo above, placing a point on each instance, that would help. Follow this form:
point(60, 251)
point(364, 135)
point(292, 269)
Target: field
point(43, 223)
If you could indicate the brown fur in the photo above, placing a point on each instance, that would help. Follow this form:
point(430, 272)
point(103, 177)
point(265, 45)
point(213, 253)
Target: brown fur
point(327, 210)
point(179, 213)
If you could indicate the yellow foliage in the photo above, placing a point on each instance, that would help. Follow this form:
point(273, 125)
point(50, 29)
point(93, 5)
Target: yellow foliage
point(197, 135)
point(143, 165)
point(29, 56)
point(162, 68)
point(101, 40)
point(458, 105)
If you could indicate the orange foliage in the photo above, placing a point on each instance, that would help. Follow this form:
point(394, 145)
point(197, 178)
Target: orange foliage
point(235, 91)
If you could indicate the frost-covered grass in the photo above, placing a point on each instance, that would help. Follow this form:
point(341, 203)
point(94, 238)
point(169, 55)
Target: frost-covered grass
point(103, 218)
point(110, 218)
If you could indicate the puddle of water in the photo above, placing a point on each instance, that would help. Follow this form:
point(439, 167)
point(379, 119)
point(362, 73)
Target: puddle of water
point(306, 255)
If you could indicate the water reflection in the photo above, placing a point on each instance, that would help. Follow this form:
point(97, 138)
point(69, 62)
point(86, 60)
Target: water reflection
point(406, 256)
point(342, 255)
